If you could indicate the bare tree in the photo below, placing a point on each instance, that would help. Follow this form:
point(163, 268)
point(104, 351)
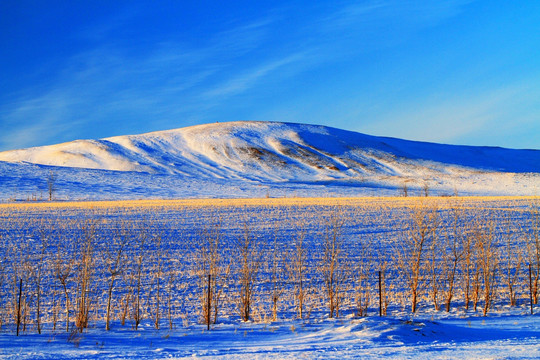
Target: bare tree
point(113, 258)
point(404, 189)
point(20, 274)
point(296, 265)
point(51, 184)
point(85, 267)
point(140, 264)
point(63, 270)
point(363, 269)
point(453, 254)
point(488, 261)
point(469, 271)
point(172, 276)
point(3, 275)
point(250, 256)
point(511, 261)
point(425, 187)
point(411, 253)
point(213, 264)
point(476, 286)
point(332, 261)
point(129, 281)
point(158, 259)
point(435, 267)
point(532, 231)
point(277, 276)
point(37, 271)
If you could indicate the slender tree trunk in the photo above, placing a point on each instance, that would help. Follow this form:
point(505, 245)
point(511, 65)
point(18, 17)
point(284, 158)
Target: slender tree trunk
point(19, 307)
point(109, 299)
point(67, 305)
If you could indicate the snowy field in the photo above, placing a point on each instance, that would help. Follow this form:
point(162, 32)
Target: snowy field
point(405, 337)
point(142, 267)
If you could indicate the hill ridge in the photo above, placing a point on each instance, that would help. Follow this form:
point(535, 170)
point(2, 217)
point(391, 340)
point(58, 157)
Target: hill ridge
point(277, 153)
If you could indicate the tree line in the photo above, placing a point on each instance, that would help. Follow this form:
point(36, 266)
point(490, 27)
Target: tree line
point(116, 272)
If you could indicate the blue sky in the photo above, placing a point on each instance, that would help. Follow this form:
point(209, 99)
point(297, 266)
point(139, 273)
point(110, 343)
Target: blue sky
point(460, 72)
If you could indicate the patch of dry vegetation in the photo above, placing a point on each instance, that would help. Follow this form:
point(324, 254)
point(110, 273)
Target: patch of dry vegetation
point(175, 263)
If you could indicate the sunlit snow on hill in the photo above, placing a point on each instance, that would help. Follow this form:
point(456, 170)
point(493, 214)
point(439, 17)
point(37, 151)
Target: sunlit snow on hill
point(264, 158)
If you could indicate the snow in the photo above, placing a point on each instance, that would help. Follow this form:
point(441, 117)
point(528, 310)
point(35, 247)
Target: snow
point(258, 159)
point(270, 155)
point(508, 337)
point(507, 332)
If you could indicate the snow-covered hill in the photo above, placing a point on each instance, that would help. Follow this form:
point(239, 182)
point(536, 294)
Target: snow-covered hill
point(251, 156)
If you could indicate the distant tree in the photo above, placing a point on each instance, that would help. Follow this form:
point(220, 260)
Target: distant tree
point(404, 190)
point(51, 184)
point(426, 189)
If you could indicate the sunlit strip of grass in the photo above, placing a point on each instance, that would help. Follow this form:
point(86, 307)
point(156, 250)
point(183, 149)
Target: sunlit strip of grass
point(483, 202)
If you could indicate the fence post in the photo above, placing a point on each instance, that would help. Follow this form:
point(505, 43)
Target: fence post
point(208, 303)
point(380, 294)
point(530, 288)
point(19, 307)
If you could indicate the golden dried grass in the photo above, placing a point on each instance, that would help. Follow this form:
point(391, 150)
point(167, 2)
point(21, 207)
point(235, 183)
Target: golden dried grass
point(482, 202)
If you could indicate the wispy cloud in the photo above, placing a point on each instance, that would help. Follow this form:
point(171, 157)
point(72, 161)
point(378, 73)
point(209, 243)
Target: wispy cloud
point(34, 120)
point(107, 85)
point(247, 80)
point(399, 12)
point(375, 24)
point(451, 120)
point(173, 82)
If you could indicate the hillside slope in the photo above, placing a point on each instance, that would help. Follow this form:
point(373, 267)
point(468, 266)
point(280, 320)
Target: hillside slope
point(274, 153)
